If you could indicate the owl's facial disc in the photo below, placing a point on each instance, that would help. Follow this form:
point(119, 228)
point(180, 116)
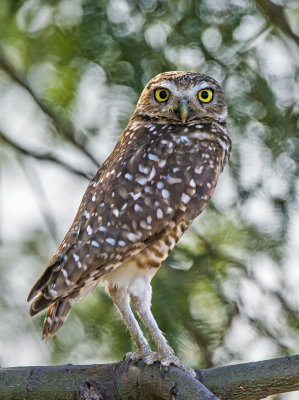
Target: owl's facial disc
point(183, 97)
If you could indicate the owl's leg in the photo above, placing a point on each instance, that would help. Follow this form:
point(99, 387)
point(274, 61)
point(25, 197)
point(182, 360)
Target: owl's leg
point(142, 303)
point(122, 301)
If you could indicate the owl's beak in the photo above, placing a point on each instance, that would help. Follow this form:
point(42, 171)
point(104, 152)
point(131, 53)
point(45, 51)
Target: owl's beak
point(184, 110)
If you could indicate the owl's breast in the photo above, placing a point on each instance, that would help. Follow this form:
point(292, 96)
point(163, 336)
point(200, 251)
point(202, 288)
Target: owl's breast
point(194, 167)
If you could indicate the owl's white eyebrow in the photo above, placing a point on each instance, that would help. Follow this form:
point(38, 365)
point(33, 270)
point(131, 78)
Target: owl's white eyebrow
point(181, 92)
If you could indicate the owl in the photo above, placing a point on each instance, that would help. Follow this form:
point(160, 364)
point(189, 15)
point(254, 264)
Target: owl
point(159, 177)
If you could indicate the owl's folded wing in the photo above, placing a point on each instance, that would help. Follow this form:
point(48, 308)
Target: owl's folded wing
point(128, 203)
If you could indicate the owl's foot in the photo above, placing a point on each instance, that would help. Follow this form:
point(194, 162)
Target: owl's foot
point(141, 354)
point(166, 359)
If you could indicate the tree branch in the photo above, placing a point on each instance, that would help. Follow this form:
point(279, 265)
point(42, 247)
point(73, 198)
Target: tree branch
point(43, 157)
point(255, 380)
point(61, 127)
point(275, 14)
point(114, 381)
point(101, 382)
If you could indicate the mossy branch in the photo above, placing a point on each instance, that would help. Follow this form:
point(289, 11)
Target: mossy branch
point(255, 380)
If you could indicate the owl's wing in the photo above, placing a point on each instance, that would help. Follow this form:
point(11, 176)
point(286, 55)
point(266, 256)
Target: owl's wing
point(125, 204)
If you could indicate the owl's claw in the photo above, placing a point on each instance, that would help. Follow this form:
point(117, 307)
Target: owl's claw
point(132, 358)
point(143, 363)
point(128, 363)
point(167, 359)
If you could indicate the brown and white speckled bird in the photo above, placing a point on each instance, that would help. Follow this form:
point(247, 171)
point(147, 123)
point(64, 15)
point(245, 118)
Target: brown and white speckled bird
point(159, 177)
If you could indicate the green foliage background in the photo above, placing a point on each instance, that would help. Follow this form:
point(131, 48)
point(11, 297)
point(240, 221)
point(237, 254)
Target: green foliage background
point(71, 73)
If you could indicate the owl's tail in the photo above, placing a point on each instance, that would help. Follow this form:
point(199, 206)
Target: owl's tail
point(56, 315)
point(39, 303)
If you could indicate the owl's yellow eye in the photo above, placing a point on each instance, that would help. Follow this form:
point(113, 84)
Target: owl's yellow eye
point(162, 95)
point(205, 95)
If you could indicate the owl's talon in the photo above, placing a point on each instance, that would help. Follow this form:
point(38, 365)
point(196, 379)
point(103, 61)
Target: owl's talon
point(167, 359)
point(143, 363)
point(133, 358)
point(128, 363)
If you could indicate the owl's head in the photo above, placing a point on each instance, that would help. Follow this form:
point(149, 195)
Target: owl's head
point(180, 97)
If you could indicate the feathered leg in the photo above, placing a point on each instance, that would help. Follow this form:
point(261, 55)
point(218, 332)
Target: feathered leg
point(122, 300)
point(165, 354)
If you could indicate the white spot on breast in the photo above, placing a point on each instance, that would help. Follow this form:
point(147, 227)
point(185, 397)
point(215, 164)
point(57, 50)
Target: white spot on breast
point(132, 237)
point(183, 139)
point(121, 243)
point(152, 174)
point(137, 208)
point(165, 194)
point(143, 169)
point(185, 198)
point(135, 195)
point(159, 213)
point(89, 230)
point(144, 225)
point(115, 212)
point(162, 163)
point(94, 243)
point(152, 157)
point(110, 241)
point(192, 183)
point(76, 257)
point(141, 180)
point(128, 176)
point(160, 185)
point(102, 229)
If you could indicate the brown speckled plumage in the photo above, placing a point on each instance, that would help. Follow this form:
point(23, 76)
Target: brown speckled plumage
point(159, 177)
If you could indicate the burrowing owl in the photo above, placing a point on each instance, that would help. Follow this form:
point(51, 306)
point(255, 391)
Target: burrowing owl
point(159, 177)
